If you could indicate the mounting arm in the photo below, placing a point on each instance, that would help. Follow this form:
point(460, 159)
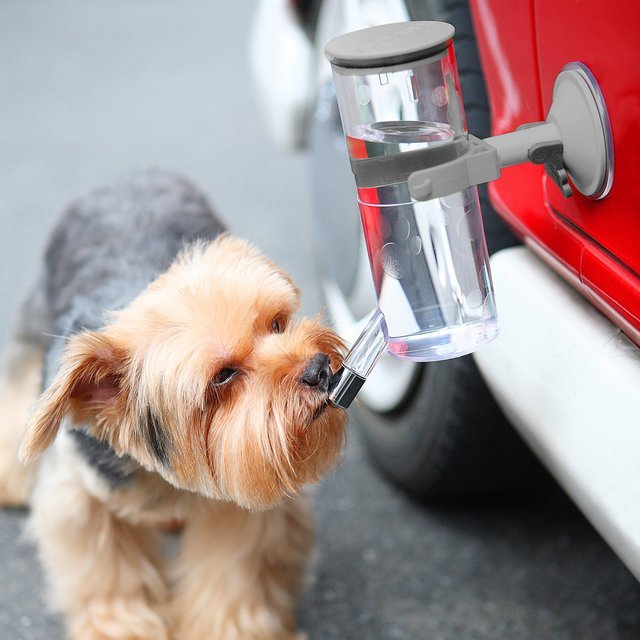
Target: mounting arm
point(574, 142)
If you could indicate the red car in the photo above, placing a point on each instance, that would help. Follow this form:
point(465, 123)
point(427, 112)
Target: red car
point(565, 370)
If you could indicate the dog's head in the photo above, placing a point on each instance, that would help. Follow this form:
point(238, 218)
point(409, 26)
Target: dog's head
point(207, 379)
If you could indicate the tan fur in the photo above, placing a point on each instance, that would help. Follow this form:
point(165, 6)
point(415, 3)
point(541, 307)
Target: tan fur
point(103, 572)
point(253, 575)
point(19, 388)
point(233, 458)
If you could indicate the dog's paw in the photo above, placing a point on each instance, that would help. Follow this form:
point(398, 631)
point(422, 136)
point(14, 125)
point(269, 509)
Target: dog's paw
point(119, 619)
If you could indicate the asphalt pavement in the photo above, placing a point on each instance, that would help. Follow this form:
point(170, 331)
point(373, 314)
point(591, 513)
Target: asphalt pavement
point(90, 89)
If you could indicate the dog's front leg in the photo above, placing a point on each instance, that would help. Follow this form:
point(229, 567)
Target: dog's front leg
point(239, 573)
point(102, 572)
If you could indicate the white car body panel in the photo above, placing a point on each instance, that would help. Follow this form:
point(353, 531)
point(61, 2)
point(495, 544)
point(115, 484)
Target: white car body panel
point(569, 380)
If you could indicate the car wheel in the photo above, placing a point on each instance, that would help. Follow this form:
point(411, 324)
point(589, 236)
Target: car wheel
point(433, 429)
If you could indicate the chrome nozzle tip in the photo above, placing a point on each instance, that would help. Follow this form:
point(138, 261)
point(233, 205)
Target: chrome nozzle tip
point(344, 387)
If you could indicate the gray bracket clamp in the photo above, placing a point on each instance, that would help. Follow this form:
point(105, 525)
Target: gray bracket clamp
point(383, 170)
point(478, 164)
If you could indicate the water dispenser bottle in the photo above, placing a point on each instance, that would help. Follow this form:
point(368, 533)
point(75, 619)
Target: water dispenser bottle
point(399, 98)
point(416, 169)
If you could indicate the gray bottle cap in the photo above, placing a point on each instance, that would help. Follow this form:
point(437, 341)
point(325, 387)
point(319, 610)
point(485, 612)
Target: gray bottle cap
point(389, 44)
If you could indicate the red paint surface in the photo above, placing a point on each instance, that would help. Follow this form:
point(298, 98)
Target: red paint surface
point(523, 46)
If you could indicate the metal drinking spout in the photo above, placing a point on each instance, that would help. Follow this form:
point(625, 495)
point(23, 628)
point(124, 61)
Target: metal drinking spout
point(359, 362)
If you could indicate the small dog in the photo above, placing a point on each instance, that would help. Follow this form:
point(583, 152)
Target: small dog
point(178, 389)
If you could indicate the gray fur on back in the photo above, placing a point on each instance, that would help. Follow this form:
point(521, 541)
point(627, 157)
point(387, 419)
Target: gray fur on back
point(112, 243)
point(108, 246)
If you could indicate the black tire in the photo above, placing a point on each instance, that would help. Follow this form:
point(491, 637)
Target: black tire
point(449, 438)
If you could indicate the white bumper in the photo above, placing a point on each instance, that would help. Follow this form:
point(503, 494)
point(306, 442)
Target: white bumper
point(570, 382)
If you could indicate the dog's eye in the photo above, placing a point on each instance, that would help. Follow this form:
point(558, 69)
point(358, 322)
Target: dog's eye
point(224, 375)
point(278, 324)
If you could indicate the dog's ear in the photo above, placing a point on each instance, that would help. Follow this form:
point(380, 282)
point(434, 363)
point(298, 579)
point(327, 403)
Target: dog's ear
point(88, 386)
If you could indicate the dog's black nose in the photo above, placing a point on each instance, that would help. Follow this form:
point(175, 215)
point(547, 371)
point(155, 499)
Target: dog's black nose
point(317, 372)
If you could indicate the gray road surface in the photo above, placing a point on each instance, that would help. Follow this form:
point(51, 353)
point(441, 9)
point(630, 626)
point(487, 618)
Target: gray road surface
point(89, 89)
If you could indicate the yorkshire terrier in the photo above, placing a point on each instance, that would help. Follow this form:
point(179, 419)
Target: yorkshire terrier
point(178, 388)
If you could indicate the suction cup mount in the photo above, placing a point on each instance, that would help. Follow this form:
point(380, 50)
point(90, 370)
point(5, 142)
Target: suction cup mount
point(579, 113)
point(574, 142)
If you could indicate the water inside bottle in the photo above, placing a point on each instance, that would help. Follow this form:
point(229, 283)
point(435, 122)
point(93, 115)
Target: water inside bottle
point(413, 132)
point(428, 258)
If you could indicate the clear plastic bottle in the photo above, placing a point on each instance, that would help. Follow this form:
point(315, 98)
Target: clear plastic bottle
point(399, 95)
